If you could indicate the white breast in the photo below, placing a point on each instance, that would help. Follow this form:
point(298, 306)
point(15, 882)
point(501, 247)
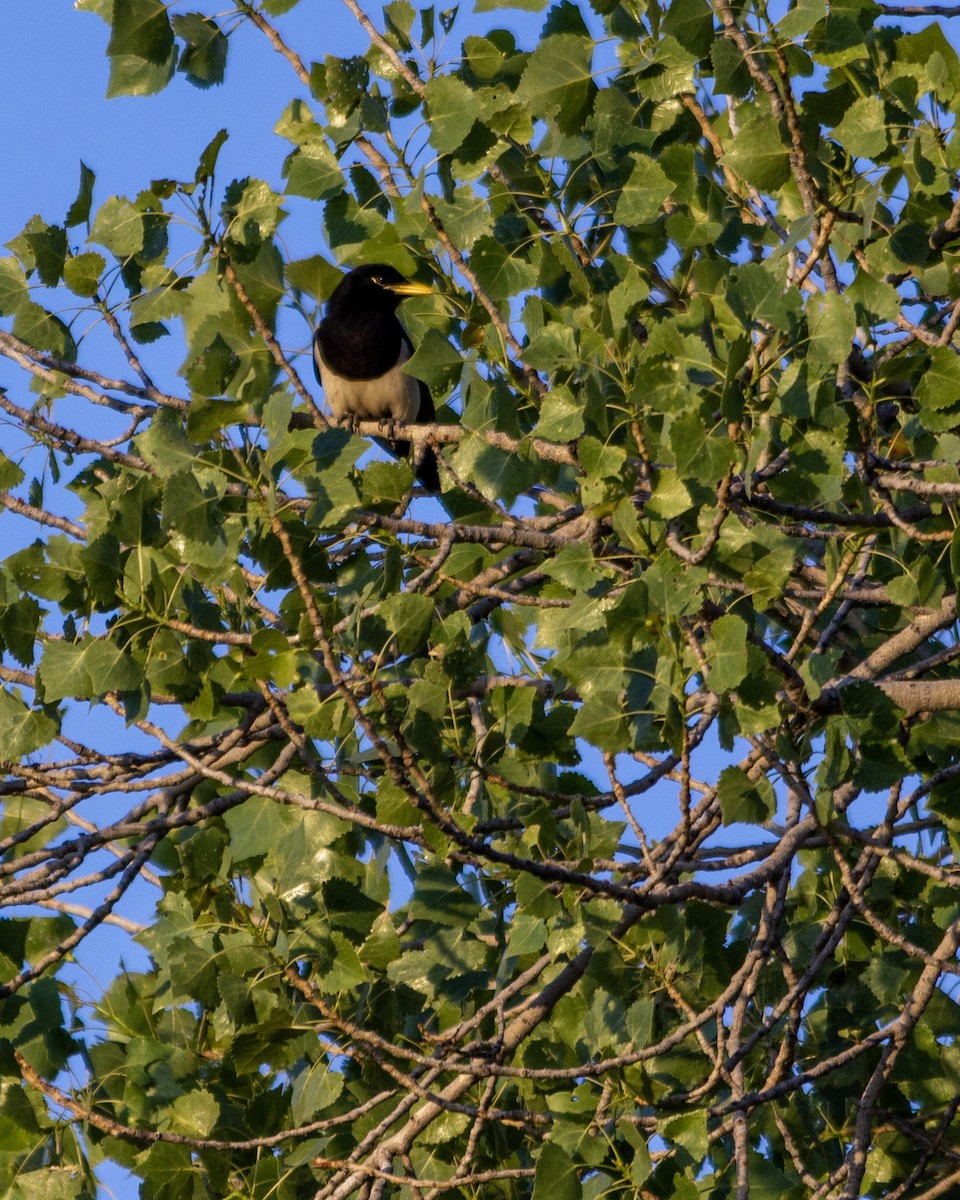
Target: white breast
point(393, 394)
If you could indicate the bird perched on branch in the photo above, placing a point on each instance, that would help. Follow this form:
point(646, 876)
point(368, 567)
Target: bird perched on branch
point(358, 354)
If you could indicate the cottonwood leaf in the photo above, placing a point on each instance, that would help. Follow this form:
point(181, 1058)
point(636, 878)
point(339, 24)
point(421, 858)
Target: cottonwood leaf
point(23, 730)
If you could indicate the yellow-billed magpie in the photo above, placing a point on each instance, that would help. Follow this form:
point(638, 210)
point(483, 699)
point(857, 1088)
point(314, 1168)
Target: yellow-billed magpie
point(358, 354)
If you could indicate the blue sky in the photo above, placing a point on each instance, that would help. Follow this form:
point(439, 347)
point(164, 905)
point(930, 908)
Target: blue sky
point(54, 108)
point(55, 112)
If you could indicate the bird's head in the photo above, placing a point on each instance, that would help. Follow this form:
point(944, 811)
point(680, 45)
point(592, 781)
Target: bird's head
point(374, 286)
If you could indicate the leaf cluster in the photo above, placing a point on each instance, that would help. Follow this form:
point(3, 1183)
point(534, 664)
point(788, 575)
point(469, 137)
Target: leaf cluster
point(589, 830)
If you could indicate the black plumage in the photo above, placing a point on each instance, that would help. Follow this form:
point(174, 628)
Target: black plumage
point(358, 354)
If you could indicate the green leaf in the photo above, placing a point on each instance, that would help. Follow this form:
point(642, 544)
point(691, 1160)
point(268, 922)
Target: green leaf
point(465, 216)
point(13, 287)
point(875, 299)
point(20, 1129)
point(561, 417)
point(313, 171)
point(644, 193)
point(863, 130)
point(142, 48)
point(332, 486)
point(19, 622)
point(551, 348)
point(165, 1166)
point(82, 272)
point(556, 1176)
point(700, 453)
point(315, 276)
point(207, 417)
point(528, 934)
point(670, 497)
point(346, 82)
point(165, 445)
point(495, 472)
point(727, 653)
point(438, 897)
point(88, 668)
point(252, 212)
point(211, 371)
point(452, 107)
point(204, 58)
point(435, 361)
point(208, 157)
point(347, 970)
point(758, 154)
point(731, 74)
point(22, 730)
point(502, 273)
point(759, 292)
point(801, 17)
point(744, 800)
point(119, 226)
point(833, 322)
point(929, 57)
point(558, 80)
point(111, 669)
point(64, 672)
point(409, 617)
point(399, 15)
point(602, 461)
point(141, 28)
point(314, 1091)
point(691, 23)
point(188, 509)
point(939, 383)
point(44, 331)
point(48, 246)
point(689, 1133)
point(102, 8)
point(257, 826)
point(194, 1113)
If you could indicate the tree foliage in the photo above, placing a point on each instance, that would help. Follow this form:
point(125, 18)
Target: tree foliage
point(593, 833)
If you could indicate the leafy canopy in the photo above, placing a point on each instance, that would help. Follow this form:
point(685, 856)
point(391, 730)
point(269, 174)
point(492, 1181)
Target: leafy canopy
point(590, 832)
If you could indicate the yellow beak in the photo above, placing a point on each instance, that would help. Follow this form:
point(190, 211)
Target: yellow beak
point(409, 288)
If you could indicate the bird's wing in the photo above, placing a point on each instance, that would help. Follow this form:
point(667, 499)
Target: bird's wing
point(317, 357)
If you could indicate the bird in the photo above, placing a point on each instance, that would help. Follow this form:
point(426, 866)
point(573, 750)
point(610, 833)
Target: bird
point(359, 349)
